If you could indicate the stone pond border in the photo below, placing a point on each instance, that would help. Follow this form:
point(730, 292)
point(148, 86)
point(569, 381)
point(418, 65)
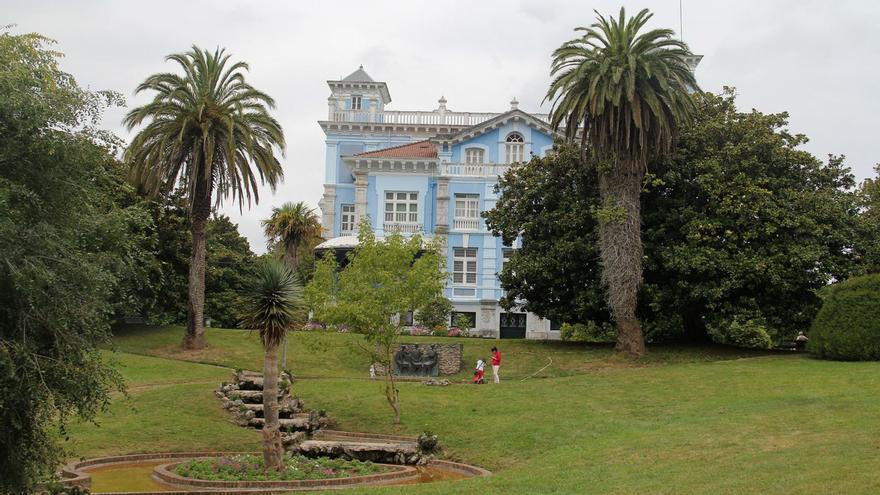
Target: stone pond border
point(73, 474)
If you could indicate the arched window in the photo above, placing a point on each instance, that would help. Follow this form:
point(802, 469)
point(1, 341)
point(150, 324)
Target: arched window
point(515, 145)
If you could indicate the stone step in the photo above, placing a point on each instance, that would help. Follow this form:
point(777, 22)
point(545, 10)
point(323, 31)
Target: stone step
point(251, 396)
point(250, 380)
point(298, 422)
point(384, 452)
point(284, 410)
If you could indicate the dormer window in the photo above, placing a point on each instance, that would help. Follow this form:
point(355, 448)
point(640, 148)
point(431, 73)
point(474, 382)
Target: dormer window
point(355, 102)
point(474, 155)
point(515, 144)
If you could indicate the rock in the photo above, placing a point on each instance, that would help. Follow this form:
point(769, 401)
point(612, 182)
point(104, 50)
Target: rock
point(442, 382)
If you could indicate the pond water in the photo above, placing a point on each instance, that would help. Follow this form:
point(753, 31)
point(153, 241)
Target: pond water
point(127, 477)
point(430, 475)
point(136, 477)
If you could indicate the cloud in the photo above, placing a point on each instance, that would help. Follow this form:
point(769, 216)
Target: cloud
point(815, 59)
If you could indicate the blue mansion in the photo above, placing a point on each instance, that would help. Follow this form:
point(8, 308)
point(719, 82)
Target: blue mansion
point(431, 172)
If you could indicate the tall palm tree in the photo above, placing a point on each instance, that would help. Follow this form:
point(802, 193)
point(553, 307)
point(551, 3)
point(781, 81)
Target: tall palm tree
point(625, 92)
point(206, 130)
point(292, 225)
point(271, 306)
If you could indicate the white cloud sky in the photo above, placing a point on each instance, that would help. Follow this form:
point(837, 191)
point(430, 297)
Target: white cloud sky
point(818, 60)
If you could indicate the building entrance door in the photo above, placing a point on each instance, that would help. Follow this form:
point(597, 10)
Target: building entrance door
point(512, 326)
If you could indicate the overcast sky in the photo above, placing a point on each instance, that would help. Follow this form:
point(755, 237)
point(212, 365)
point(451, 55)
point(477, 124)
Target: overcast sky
point(818, 60)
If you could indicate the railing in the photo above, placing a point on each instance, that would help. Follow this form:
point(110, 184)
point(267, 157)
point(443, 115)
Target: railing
point(474, 169)
point(402, 227)
point(466, 224)
point(464, 119)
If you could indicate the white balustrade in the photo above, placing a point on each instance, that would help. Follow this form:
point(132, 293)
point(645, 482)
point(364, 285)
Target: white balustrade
point(466, 224)
point(402, 227)
point(474, 169)
point(464, 119)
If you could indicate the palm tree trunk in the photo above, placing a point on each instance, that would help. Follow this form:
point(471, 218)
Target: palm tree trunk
point(272, 448)
point(620, 246)
point(195, 316)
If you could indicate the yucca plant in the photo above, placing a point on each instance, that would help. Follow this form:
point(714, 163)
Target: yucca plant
point(292, 225)
point(624, 92)
point(210, 132)
point(271, 309)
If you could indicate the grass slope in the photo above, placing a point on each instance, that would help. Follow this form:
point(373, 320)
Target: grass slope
point(688, 422)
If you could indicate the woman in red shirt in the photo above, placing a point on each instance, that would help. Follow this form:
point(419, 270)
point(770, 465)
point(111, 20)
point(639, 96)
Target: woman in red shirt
point(496, 363)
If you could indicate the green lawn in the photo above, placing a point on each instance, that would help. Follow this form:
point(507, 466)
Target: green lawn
point(712, 421)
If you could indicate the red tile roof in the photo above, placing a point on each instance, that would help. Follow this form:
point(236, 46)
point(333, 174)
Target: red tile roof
point(420, 149)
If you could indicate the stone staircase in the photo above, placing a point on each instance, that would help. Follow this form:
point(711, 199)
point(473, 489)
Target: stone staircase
point(243, 397)
point(304, 432)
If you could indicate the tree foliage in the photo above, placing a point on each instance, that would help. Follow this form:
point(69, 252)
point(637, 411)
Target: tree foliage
point(741, 227)
point(66, 247)
point(624, 90)
point(291, 227)
point(384, 278)
point(231, 267)
point(869, 249)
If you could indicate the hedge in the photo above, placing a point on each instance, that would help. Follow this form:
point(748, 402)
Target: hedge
point(848, 325)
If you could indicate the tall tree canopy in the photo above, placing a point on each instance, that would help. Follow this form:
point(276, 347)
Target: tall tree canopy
point(740, 224)
point(206, 129)
point(624, 89)
point(291, 226)
point(68, 244)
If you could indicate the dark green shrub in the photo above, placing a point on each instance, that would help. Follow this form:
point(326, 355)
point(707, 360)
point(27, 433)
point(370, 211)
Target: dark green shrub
point(742, 331)
point(848, 325)
point(588, 332)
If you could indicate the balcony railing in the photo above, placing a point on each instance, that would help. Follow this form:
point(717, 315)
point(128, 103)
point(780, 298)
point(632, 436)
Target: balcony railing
point(466, 224)
point(402, 227)
point(464, 119)
point(474, 170)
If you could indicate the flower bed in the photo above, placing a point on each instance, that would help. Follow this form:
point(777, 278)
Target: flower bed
point(249, 467)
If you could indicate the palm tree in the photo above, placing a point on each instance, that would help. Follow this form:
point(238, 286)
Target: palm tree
point(293, 225)
point(625, 92)
point(271, 307)
point(206, 129)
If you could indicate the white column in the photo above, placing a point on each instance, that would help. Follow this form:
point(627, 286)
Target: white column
point(328, 210)
point(360, 196)
point(442, 224)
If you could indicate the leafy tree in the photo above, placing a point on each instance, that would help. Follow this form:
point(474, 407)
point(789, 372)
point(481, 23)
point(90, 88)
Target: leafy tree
point(272, 306)
point(66, 247)
point(383, 279)
point(625, 92)
point(741, 224)
point(741, 230)
point(434, 312)
point(550, 202)
point(230, 266)
point(870, 203)
point(207, 129)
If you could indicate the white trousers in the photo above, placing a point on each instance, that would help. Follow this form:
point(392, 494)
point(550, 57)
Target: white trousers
point(495, 372)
